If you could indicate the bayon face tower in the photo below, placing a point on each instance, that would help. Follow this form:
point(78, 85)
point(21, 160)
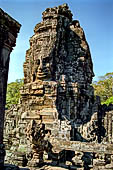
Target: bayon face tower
point(58, 72)
point(58, 69)
point(57, 100)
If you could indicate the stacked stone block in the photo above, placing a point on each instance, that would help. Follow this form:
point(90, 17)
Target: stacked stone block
point(57, 105)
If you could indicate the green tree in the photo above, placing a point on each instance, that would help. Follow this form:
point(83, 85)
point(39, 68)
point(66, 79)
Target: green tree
point(13, 92)
point(104, 88)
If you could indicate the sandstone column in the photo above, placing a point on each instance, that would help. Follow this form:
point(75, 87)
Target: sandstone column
point(8, 34)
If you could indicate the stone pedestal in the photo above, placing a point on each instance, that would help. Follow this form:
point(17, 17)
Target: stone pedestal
point(8, 33)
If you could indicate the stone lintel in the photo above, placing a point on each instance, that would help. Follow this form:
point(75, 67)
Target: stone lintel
point(9, 23)
point(83, 146)
point(9, 28)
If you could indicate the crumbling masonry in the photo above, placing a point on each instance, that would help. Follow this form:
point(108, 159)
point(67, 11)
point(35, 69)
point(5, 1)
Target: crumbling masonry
point(8, 34)
point(64, 123)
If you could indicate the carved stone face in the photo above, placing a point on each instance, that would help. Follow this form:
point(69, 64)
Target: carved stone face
point(43, 67)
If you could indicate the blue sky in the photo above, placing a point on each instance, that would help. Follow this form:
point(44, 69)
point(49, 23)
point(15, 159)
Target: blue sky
point(95, 17)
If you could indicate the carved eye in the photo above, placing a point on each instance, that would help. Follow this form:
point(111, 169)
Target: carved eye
point(38, 62)
point(46, 60)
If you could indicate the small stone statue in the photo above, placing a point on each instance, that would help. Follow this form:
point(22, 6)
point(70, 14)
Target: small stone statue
point(37, 135)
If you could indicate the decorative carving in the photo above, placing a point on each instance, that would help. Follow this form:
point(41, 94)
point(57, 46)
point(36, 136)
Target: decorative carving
point(37, 135)
point(65, 122)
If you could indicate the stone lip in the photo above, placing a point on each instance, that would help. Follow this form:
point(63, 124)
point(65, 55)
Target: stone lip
point(9, 23)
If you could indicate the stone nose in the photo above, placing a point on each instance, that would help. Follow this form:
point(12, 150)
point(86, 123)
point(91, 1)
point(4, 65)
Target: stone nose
point(40, 68)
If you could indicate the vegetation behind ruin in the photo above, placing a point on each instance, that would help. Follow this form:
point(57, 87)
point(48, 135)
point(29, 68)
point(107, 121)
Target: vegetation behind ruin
point(104, 88)
point(13, 92)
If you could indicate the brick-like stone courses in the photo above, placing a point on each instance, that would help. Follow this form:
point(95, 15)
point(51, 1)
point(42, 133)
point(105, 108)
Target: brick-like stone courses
point(59, 62)
point(106, 123)
point(57, 102)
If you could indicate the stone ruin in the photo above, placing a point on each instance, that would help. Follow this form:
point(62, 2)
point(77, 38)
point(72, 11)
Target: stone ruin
point(59, 122)
point(9, 29)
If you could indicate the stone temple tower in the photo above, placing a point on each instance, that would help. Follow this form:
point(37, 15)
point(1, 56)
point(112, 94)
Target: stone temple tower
point(57, 99)
point(58, 69)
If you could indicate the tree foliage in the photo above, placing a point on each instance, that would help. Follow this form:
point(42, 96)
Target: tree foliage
point(13, 92)
point(104, 88)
